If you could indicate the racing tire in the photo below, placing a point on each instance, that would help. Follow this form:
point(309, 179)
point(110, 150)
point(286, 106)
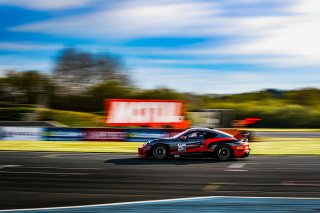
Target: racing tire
point(160, 152)
point(224, 153)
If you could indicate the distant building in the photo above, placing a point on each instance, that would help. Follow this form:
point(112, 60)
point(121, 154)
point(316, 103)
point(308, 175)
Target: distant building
point(217, 118)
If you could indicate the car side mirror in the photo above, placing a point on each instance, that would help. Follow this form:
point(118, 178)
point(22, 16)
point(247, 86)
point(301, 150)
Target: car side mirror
point(183, 138)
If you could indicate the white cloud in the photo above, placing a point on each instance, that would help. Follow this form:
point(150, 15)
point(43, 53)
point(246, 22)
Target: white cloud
point(133, 21)
point(286, 40)
point(296, 39)
point(143, 19)
point(292, 38)
point(222, 82)
point(27, 46)
point(46, 4)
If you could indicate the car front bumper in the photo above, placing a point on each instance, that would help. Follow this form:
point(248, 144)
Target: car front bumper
point(143, 153)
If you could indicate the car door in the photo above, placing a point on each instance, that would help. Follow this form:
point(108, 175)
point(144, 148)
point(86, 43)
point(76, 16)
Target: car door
point(195, 142)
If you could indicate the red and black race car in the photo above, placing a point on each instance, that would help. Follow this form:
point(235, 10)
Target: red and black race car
point(199, 141)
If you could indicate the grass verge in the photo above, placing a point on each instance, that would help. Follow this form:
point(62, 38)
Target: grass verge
point(286, 146)
point(70, 146)
point(267, 146)
point(68, 118)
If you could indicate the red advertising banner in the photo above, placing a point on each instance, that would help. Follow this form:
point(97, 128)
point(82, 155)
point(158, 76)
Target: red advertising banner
point(147, 113)
point(104, 134)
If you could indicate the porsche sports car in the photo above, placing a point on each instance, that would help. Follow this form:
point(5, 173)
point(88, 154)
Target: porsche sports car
point(197, 141)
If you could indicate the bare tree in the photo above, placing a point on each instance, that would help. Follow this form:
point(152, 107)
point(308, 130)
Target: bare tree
point(77, 70)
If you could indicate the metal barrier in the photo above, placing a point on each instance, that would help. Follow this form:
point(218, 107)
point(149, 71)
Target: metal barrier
point(84, 134)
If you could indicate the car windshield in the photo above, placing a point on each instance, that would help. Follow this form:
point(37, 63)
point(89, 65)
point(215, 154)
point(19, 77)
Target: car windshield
point(180, 134)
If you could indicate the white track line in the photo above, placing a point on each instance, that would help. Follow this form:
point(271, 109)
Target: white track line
point(44, 173)
point(236, 170)
point(68, 168)
point(8, 166)
point(236, 165)
point(156, 201)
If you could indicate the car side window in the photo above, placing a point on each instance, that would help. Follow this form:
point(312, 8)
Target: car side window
point(209, 135)
point(197, 134)
point(192, 135)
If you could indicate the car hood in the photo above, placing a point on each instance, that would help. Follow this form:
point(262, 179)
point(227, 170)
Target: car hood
point(154, 141)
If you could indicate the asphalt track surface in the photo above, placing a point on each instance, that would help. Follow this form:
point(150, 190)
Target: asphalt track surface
point(42, 179)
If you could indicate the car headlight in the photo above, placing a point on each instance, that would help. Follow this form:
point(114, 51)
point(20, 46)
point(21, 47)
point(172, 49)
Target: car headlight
point(144, 145)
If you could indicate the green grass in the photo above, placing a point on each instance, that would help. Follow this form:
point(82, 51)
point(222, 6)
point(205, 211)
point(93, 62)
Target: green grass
point(68, 118)
point(74, 119)
point(267, 146)
point(286, 147)
point(70, 146)
point(286, 139)
point(273, 115)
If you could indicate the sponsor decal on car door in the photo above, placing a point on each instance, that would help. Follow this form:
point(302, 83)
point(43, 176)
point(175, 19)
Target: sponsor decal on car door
point(182, 147)
point(195, 141)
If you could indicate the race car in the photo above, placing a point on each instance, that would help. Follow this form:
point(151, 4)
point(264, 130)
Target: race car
point(197, 141)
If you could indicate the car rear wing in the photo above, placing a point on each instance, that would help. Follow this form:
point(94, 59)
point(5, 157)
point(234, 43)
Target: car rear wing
point(244, 137)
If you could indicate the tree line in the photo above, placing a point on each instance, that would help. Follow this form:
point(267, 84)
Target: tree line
point(81, 81)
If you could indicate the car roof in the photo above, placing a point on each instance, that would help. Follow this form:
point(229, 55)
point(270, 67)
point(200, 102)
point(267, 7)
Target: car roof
point(201, 129)
point(210, 130)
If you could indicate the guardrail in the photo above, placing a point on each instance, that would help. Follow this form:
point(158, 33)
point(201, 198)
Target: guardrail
point(84, 134)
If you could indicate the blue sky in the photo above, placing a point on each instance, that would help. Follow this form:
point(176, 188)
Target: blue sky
point(221, 46)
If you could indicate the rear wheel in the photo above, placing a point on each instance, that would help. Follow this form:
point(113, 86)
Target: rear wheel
point(160, 152)
point(224, 152)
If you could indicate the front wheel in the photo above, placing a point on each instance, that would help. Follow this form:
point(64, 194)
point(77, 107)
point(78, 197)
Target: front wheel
point(160, 152)
point(224, 152)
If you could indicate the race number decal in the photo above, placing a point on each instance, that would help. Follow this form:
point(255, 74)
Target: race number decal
point(182, 147)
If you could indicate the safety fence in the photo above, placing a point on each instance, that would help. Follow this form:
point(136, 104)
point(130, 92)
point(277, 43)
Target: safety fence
point(84, 134)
